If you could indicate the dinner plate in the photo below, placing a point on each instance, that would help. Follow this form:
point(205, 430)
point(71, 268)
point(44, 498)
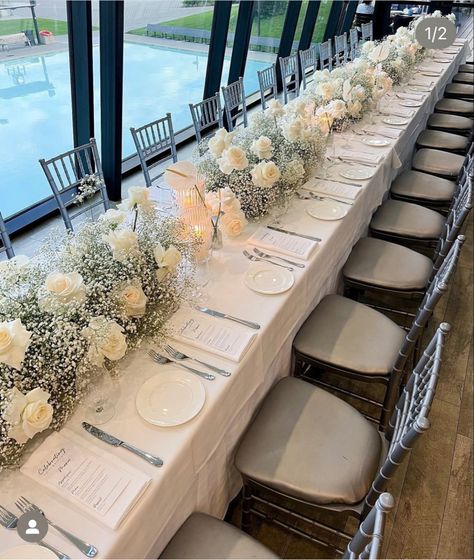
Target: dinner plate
point(327, 210)
point(396, 121)
point(27, 551)
point(430, 74)
point(420, 88)
point(170, 398)
point(268, 279)
point(376, 142)
point(357, 173)
point(410, 103)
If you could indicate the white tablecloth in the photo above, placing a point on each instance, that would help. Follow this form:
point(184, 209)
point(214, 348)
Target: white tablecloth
point(198, 472)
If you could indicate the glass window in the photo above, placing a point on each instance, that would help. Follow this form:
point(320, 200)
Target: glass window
point(35, 101)
point(299, 26)
point(322, 21)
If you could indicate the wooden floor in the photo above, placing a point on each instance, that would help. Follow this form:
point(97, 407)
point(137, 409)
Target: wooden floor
point(433, 517)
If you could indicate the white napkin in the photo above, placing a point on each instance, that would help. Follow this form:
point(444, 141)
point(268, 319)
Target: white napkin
point(284, 243)
point(211, 334)
point(405, 113)
point(87, 476)
point(359, 157)
point(386, 131)
point(435, 70)
point(341, 191)
point(421, 82)
point(415, 96)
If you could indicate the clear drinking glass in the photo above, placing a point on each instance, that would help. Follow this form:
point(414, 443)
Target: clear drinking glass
point(99, 401)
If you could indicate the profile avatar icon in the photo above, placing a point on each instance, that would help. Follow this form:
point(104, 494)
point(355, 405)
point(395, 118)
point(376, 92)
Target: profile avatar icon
point(32, 528)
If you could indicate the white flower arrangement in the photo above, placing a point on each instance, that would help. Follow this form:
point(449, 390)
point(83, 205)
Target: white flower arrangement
point(87, 188)
point(76, 307)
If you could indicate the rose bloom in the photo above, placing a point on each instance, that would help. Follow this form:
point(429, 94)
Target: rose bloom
point(233, 223)
point(326, 90)
point(113, 217)
point(60, 288)
point(354, 108)
point(107, 340)
point(134, 300)
point(233, 158)
point(275, 108)
point(262, 147)
point(28, 414)
point(123, 242)
point(137, 196)
point(359, 93)
point(265, 174)
point(337, 108)
point(292, 131)
point(14, 342)
point(220, 142)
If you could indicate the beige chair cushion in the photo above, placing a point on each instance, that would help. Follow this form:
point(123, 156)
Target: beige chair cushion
point(455, 107)
point(408, 220)
point(450, 122)
point(351, 336)
point(466, 68)
point(387, 265)
point(438, 162)
point(442, 140)
point(414, 184)
point(464, 78)
point(203, 536)
point(460, 90)
point(308, 444)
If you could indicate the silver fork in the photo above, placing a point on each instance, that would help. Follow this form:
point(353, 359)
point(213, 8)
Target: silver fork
point(266, 255)
point(10, 521)
point(313, 196)
point(178, 356)
point(159, 359)
point(255, 258)
point(25, 505)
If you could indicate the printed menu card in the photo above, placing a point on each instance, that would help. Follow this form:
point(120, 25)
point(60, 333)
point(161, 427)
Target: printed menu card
point(91, 478)
point(284, 243)
point(344, 191)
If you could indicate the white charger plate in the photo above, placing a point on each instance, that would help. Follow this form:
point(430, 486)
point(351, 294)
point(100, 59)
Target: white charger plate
point(27, 551)
point(376, 142)
point(268, 279)
point(395, 121)
point(357, 173)
point(410, 103)
point(170, 398)
point(327, 210)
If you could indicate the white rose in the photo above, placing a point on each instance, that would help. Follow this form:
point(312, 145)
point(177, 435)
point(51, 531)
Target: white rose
point(213, 202)
point(354, 108)
point(337, 109)
point(359, 93)
point(233, 223)
point(262, 147)
point(233, 158)
point(265, 174)
point(28, 414)
point(14, 342)
point(107, 340)
point(61, 289)
point(220, 142)
point(275, 109)
point(300, 106)
point(367, 47)
point(18, 263)
point(326, 90)
point(113, 217)
point(325, 119)
point(167, 260)
point(137, 197)
point(230, 203)
point(134, 299)
point(292, 130)
point(123, 243)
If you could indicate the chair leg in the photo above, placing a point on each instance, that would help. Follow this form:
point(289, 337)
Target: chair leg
point(389, 402)
point(246, 518)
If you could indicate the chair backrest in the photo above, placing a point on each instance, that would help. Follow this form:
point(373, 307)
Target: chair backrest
point(367, 542)
point(325, 55)
point(205, 114)
point(341, 51)
point(267, 80)
point(151, 141)
point(290, 76)
point(66, 173)
point(354, 42)
point(234, 97)
point(367, 31)
point(309, 59)
point(6, 246)
point(410, 416)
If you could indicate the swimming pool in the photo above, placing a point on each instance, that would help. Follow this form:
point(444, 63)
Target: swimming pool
point(35, 108)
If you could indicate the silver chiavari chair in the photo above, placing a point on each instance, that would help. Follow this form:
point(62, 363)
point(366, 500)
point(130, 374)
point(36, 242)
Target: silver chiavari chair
point(310, 457)
point(325, 55)
point(267, 81)
point(6, 246)
point(234, 97)
point(341, 52)
point(151, 141)
point(309, 59)
point(206, 114)
point(367, 542)
point(354, 42)
point(367, 31)
point(290, 76)
point(65, 173)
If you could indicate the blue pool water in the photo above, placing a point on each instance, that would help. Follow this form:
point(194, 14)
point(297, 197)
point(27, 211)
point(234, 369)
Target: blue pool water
point(35, 108)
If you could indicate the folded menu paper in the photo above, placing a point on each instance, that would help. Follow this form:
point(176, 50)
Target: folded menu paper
point(359, 157)
point(218, 337)
point(330, 188)
point(387, 131)
point(87, 476)
point(404, 113)
point(284, 243)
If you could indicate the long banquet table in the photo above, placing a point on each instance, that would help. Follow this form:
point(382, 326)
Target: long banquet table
point(198, 472)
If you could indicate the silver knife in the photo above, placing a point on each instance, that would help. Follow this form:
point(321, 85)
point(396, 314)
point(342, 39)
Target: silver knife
point(214, 313)
point(112, 440)
point(281, 230)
